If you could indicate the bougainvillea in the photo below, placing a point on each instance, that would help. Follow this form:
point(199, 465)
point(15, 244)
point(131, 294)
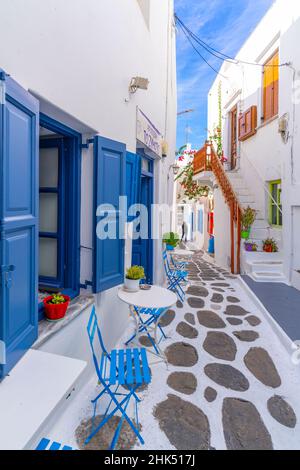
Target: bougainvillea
point(192, 189)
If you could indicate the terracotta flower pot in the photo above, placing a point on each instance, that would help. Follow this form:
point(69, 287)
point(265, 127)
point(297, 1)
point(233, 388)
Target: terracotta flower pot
point(268, 248)
point(56, 312)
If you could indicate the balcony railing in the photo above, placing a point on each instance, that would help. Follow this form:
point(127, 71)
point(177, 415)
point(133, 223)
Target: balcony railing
point(207, 160)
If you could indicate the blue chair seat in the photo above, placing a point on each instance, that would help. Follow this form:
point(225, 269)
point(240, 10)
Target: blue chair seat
point(46, 444)
point(125, 367)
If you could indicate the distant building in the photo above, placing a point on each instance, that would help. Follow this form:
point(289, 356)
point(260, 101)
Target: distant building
point(261, 140)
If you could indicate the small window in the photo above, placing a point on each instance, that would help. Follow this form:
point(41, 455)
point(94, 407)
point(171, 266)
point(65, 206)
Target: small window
point(275, 216)
point(270, 87)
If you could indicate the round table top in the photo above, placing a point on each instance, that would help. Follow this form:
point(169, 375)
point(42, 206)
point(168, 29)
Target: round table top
point(156, 297)
point(180, 252)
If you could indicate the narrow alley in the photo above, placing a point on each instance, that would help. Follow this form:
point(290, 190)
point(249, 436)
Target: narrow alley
point(229, 384)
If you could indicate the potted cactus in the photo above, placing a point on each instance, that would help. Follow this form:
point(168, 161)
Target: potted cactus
point(270, 245)
point(134, 274)
point(56, 306)
point(248, 218)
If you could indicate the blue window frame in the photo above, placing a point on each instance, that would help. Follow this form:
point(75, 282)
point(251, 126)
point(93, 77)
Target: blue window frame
point(133, 175)
point(68, 233)
point(55, 196)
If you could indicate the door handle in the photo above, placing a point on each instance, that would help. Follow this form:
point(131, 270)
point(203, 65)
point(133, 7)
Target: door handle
point(6, 276)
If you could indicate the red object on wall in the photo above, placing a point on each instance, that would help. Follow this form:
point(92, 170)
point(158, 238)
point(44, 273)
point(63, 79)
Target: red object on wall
point(56, 311)
point(211, 223)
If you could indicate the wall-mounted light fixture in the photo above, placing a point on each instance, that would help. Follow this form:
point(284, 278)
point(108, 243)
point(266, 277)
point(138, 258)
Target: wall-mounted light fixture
point(138, 83)
point(164, 148)
point(175, 168)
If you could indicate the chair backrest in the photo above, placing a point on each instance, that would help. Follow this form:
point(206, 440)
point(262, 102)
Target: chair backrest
point(92, 328)
point(166, 263)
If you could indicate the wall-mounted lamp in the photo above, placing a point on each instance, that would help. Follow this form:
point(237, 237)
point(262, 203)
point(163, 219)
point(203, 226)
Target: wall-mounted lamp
point(175, 168)
point(138, 83)
point(164, 148)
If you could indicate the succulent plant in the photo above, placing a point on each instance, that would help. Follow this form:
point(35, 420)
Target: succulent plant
point(135, 273)
point(57, 299)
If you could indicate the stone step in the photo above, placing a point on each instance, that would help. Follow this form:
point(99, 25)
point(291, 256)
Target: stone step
point(246, 199)
point(242, 192)
point(265, 276)
point(264, 266)
point(259, 233)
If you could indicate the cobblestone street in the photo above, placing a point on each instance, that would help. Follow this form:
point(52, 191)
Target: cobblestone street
point(230, 383)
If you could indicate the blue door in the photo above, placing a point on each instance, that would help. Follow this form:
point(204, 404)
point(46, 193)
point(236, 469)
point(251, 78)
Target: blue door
point(18, 221)
point(142, 249)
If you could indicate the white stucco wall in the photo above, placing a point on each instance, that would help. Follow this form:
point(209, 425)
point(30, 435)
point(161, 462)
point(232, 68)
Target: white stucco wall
point(80, 56)
point(265, 157)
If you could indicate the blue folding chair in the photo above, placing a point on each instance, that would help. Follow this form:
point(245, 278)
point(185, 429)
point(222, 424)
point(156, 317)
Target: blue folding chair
point(147, 325)
point(174, 278)
point(127, 367)
point(46, 444)
point(178, 264)
point(180, 273)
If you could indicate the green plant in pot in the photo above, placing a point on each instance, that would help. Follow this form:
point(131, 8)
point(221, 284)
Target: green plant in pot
point(55, 306)
point(134, 274)
point(171, 240)
point(270, 245)
point(248, 218)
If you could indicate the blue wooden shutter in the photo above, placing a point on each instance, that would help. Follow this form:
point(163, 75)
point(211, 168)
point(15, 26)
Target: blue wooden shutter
point(19, 119)
point(133, 170)
point(109, 184)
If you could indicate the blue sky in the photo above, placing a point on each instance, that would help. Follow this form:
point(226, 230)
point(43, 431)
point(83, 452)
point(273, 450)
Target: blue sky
point(224, 25)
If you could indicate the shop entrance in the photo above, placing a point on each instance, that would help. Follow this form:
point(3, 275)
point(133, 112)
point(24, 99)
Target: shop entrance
point(142, 249)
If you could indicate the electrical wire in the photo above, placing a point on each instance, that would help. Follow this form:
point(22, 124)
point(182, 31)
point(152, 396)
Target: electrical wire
point(199, 53)
point(220, 55)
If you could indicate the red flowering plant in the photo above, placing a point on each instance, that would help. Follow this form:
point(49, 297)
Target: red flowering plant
point(192, 190)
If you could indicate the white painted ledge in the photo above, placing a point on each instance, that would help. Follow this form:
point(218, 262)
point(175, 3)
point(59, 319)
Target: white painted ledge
point(36, 386)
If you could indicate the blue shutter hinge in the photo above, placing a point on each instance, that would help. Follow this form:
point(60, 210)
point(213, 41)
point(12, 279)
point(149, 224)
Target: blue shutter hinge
point(6, 277)
point(86, 285)
point(2, 352)
point(87, 144)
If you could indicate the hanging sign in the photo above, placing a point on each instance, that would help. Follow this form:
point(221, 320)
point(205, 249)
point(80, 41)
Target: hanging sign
point(147, 133)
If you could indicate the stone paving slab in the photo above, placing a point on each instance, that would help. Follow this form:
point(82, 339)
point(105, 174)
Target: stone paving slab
point(234, 402)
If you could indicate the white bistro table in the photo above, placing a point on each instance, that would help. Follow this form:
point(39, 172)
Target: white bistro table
point(180, 252)
point(155, 298)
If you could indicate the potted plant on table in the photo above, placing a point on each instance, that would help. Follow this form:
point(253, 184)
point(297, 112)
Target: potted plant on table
point(56, 306)
point(248, 218)
point(171, 240)
point(134, 275)
point(270, 245)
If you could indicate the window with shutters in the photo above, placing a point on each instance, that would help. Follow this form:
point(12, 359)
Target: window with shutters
point(270, 87)
point(247, 123)
point(275, 214)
